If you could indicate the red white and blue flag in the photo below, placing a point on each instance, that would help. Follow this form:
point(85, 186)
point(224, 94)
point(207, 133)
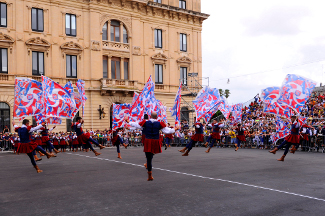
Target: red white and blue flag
point(206, 101)
point(176, 110)
point(28, 98)
point(81, 89)
point(119, 113)
point(57, 101)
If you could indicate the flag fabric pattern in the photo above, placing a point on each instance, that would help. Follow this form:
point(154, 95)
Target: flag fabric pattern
point(81, 89)
point(28, 98)
point(58, 101)
point(119, 113)
point(206, 101)
point(176, 109)
point(295, 91)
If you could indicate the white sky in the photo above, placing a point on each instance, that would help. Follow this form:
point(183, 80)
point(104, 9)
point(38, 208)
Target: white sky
point(251, 36)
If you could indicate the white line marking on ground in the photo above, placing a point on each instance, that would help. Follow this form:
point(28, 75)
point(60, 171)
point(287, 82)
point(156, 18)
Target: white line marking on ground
point(203, 177)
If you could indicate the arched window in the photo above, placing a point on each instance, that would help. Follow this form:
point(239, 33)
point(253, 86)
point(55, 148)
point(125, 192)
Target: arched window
point(4, 117)
point(116, 32)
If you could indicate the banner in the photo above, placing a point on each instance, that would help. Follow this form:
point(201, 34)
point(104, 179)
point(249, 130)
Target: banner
point(119, 113)
point(176, 109)
point(81, 89)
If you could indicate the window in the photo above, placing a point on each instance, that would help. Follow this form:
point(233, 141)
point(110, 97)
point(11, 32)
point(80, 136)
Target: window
point(104, 30)
point(183, 42)
point(116, 68)
point(159, 74)
point(70, 25)
point(157, 1)
point(69, 122)
point(115, 31)
point(158, 38)
point(184, 75)
point(3, 14)
point(105, 66)
point(4, 116)
point(37, 20)
point(125, 35)
point(38, 63)
point(126, 69)
point(182, 4)
point(34, 123)
point(71, 66)
point(4, 60)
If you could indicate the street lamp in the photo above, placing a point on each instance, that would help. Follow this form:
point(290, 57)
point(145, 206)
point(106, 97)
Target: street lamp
point(101, 112)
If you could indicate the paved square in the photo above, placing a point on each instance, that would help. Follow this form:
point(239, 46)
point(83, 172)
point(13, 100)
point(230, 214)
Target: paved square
point(223, 182)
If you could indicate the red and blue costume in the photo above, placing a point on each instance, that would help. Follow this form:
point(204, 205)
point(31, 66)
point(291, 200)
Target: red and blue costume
point(26, 145)
point(292, 139)
point(45, 138)
point(215, 134)
point(197, 137)
point(84, 137)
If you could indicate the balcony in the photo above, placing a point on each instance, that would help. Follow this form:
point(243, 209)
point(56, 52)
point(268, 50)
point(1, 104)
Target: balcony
point(112, 86)
point(116, 46)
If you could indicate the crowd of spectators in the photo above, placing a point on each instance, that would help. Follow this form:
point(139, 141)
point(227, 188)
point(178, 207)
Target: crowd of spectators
point(259, 127)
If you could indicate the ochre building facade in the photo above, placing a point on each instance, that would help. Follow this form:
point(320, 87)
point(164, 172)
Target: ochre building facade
point(113, 45)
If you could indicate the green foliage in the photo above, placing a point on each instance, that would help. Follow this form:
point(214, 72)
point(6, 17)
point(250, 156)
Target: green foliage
point(227, 93)
point(221, 92)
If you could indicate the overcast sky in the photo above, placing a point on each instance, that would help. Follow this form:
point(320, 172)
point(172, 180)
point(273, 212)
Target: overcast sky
point(275, 37)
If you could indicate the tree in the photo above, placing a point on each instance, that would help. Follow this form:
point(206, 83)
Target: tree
point(221, 92)
point(227, 93)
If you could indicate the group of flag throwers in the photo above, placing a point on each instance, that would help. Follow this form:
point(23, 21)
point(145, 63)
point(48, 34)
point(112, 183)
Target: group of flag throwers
point(286, 104)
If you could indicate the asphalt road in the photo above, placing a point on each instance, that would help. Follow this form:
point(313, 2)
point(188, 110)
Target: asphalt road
point(223, 182)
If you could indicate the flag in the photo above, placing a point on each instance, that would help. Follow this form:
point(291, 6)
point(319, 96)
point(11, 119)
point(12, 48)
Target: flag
point(206, 101)
point(28, 98)
point(57, 101)
point(161, 111)
point(295, 91)
point(176, 110)
point(119, 113)
point(139, 107)
point(81, 89)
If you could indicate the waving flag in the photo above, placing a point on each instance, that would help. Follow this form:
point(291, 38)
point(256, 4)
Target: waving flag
point(119, 113)
point(295, 91)
point(282, 129)
point(138, 108)
point(206, 101)
point(78, 102)
point(270, 94)
point(81, 89)
point(49, 120)
point(161, 111)
point(58, 101)
point(176, 110)
point(28, 98)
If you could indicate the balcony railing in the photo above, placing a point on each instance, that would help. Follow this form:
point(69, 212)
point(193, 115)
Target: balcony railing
point(123, 84)
point(112, 45)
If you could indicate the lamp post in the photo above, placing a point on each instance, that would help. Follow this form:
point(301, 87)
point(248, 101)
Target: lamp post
point(101, 112)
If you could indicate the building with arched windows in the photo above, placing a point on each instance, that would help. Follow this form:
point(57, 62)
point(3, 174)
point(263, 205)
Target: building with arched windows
point(114, 45)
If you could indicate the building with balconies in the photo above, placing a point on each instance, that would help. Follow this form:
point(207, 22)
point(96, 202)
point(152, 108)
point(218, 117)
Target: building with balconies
point(113, 45)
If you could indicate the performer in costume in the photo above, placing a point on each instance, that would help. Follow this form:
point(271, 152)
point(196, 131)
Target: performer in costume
point(152, 144)
point(85, 137)
point(75, 142)
point(168, 138)
point(56, 142)
point(240, 136)
point(197, 137)
point(46, 140)
point(291, 139)
point(116, 140)
point(215, 136)
point(304, 138)
point(63, 142)
point(26, 145)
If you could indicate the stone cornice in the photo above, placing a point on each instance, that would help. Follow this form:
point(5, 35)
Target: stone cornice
point(177, 9)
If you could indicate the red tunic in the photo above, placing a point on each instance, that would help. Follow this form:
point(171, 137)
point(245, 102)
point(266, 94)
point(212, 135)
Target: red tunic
point(152, 145)
point(198, 136)
point(63, 142)
point(241, 135)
